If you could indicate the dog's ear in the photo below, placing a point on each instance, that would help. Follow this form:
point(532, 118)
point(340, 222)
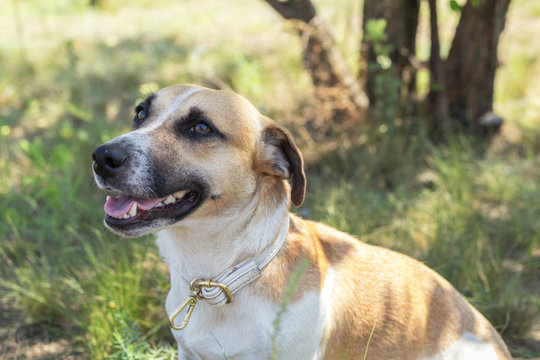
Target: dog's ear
point(283, 159)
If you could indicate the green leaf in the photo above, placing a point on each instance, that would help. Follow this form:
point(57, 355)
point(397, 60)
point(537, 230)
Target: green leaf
point(454, 5)
point(375, 29)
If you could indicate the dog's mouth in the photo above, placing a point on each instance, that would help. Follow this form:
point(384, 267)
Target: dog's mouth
point(126, 209)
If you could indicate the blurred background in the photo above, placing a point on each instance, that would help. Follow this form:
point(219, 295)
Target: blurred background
point(419, 121)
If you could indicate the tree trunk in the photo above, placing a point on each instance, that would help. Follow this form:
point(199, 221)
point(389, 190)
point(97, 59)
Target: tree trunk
point(337, 89)
point(437, 99)
point(402, 22)
point(471, 64)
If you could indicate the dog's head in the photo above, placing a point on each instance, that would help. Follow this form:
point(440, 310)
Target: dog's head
point(190, 145)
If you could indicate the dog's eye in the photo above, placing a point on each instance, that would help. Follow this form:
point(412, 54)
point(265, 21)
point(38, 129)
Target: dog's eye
point(141, 115)
point(201, 128)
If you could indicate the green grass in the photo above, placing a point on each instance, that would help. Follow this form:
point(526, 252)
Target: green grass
point(292, 286)
point(470, 211)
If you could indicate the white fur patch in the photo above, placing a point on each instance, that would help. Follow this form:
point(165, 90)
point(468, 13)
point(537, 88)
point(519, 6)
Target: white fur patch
point(327, 294)
point(243, 330)
point(301, 329)
point(469, 347)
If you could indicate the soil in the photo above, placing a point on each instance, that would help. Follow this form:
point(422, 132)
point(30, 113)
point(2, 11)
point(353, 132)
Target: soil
point(22, 340)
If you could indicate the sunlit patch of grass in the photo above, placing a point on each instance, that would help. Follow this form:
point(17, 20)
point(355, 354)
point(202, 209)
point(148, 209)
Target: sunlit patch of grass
point(125, 280)
point(128, 343)
point(516, 76)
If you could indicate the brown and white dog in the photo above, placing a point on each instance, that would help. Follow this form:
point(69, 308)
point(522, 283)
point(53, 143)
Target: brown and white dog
point(209, 172)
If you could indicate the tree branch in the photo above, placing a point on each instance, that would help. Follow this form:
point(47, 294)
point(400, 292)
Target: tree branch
point(294, 9)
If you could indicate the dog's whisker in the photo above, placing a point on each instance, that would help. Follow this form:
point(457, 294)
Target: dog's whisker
point(215, 200)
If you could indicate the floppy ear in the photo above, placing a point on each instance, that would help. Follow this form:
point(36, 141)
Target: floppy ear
point(283, 159)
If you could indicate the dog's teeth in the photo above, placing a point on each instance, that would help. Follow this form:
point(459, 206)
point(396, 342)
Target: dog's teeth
point(160, 204)
point(133, 210)
point(126, 216)
point(169, 200)
point(180, 194)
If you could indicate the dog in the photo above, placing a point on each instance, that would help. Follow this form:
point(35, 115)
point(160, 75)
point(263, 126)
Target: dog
point(210, 174)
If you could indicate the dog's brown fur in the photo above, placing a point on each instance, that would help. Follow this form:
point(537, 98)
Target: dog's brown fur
point(411, 310)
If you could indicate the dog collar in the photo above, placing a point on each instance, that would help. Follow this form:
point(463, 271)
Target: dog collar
point(219, 290)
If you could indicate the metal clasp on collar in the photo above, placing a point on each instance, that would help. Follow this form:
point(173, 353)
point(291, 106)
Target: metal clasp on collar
point(196, 290)
point(190, 303)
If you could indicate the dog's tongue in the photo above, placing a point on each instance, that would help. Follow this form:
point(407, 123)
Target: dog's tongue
point(122, 204)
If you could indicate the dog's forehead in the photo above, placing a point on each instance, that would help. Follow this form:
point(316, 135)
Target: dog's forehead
point(169, 95)
point(226, 109)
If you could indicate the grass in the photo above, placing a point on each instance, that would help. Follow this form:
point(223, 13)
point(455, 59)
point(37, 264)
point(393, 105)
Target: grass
point(468, 210)
point(128, 343)
point(369, 340)
point(292, 285)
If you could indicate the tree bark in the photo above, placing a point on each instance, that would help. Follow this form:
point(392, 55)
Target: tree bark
point(437, 99)
point(472, 62)
point(402, 22)
point(335, 86)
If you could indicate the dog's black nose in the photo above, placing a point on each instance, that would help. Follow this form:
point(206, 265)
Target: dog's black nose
point(108, 160)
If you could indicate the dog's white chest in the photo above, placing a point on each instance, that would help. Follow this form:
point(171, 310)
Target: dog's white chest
point(246, 329)
point(236, 330)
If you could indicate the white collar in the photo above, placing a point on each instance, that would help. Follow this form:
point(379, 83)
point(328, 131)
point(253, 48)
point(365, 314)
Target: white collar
point(219, 290)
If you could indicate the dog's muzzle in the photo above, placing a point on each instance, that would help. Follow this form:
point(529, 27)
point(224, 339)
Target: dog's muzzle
point(144, 200)
point(109, 160)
